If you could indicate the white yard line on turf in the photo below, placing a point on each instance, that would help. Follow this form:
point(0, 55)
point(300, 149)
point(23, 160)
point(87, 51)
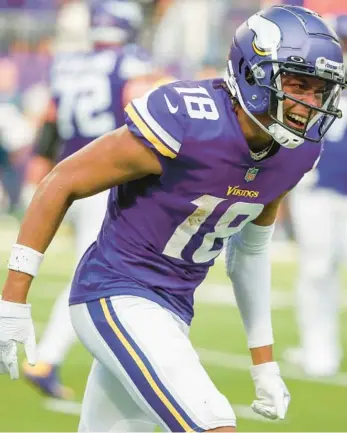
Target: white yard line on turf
point(62, 406)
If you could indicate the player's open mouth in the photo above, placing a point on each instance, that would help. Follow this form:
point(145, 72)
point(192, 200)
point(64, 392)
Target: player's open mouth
point(296, 121)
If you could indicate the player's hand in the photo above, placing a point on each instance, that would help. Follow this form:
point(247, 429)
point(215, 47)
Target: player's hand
point(272, 393)
point(15, 326)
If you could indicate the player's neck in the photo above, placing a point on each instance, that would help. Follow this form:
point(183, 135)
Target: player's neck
point(256, 138)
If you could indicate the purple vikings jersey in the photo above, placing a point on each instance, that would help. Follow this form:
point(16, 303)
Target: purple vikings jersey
point(87, 89)
point(162, 233)
point(332, 168)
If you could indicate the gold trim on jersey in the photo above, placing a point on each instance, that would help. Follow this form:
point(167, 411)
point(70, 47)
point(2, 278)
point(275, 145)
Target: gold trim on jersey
point(140, 364)
point(141, 107)
point(147, 133)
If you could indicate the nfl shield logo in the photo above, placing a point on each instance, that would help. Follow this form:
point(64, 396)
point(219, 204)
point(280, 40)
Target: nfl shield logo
point(251, 174)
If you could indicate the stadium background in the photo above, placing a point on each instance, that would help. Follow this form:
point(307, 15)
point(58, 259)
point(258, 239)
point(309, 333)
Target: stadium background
point(31, 31)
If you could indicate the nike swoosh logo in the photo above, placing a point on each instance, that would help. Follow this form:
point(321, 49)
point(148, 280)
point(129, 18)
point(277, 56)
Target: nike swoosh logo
point(171, 108)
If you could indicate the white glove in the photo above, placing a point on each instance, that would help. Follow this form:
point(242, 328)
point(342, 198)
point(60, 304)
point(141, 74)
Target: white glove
point(15, 326)
point(271, 391)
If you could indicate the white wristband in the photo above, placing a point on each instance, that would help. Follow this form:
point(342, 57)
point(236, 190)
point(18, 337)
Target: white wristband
point(25, 259)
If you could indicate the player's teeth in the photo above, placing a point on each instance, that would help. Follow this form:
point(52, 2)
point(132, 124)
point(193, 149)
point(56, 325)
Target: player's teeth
point(298, 118)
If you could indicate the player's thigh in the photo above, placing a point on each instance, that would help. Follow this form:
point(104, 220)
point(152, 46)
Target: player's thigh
point(107, 406)
point(148, 349)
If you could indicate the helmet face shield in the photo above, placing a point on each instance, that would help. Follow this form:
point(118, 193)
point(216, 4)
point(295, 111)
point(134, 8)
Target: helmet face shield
point(303, 96)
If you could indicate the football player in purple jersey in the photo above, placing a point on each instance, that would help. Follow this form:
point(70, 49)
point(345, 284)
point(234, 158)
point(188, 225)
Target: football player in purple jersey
point(89, 92)
point(319, 210)
point(198, 165)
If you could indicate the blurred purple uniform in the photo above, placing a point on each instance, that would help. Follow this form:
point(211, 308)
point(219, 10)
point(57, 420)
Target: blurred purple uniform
point(331, 169)
point(161, 233)
point(87, 89)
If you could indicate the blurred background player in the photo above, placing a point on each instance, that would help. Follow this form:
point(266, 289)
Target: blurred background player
point(89, 90)
point(319, 212)
point(16, 134)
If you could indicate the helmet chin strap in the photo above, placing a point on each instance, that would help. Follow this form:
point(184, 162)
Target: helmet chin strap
point(284, 137)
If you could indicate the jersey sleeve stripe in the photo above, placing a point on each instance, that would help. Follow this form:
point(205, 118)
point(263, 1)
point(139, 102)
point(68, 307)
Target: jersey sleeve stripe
point(147, 133)
point(141, 106)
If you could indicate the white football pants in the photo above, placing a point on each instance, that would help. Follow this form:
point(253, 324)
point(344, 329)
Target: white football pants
point(146, 371)
point(320, 224)
point(86, 215)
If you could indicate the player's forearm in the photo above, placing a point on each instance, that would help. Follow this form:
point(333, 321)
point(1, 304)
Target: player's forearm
point(45, 213)
point(249, 269)
point(39, 225)
point(16, 287)
point(252, 282)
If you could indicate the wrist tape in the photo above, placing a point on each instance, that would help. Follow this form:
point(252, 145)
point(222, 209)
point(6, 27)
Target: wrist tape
point(25, 259)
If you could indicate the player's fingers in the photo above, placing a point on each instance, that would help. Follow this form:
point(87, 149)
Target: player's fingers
point(12, 367)
point(286, 400)
point(263, 410)
point(30, 348)
point(9, 359)
point(280, 405)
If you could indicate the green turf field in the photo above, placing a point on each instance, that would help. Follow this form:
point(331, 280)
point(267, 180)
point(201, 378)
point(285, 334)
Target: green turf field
point(216, 332)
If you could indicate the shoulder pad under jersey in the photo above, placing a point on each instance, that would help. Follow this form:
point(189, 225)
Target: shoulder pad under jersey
point(159, 116)
point(174, 113)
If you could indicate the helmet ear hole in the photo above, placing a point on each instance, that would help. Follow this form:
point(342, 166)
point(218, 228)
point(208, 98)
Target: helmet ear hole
point(249, 77)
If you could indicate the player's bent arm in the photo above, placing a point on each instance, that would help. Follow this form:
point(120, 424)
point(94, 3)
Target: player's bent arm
point(112, 159)
point(249, 268)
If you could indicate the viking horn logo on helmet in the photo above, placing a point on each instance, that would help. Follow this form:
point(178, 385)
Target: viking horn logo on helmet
point(267, 35)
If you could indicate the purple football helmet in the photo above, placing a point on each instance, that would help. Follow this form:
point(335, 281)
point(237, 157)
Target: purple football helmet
point(286, 40)
point(115, 21)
